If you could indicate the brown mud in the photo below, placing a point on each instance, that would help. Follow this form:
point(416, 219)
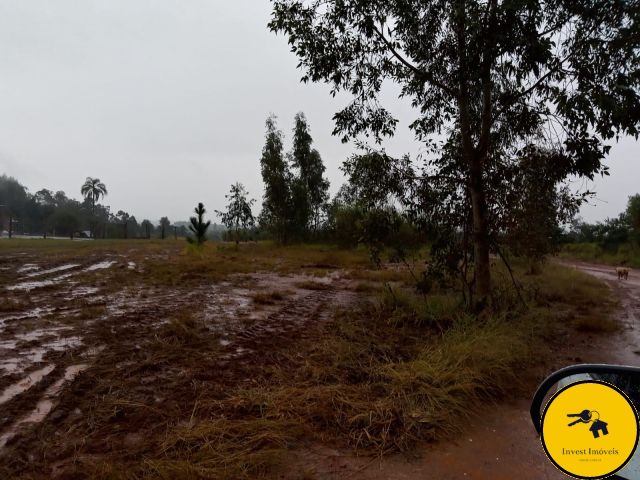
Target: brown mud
point(68, 331)
point(81, 352)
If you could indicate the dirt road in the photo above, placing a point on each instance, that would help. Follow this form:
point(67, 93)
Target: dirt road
point(503, 444)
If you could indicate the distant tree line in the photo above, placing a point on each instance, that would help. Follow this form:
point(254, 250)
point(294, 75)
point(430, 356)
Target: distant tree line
point(620, 234)
point(58, 215)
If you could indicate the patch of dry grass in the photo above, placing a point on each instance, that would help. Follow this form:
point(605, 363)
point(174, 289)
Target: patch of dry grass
point(269, 298)
point(12, 305)
point(313, 285)
point(365, 287)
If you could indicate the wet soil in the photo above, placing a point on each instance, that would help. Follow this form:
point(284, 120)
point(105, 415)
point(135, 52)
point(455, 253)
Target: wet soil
point(69, 331)
point(69, 327)
point(501, 443)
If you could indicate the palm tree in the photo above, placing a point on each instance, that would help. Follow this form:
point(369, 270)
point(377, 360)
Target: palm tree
point(93, 188)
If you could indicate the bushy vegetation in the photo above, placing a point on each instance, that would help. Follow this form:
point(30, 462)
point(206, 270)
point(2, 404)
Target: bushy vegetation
point(612, 241)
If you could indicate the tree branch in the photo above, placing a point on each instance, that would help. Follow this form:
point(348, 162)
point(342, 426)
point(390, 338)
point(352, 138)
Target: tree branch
point(419, 73)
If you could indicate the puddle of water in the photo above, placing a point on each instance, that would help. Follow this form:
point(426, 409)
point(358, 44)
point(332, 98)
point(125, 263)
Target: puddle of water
point(53, 270)
point(35, 334)
point(131, 266)
point(29, 267)
point(35, 355)
point(10, 364)
point(99, 266)
point(224, 343)
point(35, 313)
point(81, 291)
point(45, 405)
point(65, 343)
point(32, 335)
point(73, 370)
point(25, 383)
point(43, 283)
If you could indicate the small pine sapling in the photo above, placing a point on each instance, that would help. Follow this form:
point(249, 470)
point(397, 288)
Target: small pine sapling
point(198, 226)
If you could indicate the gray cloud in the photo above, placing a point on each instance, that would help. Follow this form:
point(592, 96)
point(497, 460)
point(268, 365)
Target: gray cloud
point(165, 102)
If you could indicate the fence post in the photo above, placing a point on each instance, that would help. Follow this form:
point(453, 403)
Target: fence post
point(95, 230)
point(162, 231)
point(10, 225)
point(44, 228)
point(126, 232)
point(71, 232)
point(175, 232)
point(104, 231)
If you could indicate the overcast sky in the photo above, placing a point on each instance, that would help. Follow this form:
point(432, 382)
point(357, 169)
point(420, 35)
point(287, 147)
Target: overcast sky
point(165, 101)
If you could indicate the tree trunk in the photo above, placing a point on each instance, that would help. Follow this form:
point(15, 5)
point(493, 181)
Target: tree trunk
point(482, 269)
point(481, 262)
point(93, 212)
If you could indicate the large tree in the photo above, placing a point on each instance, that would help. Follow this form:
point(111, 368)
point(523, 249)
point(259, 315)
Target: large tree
point(93, 189)
point(312, 187)
point(276, 203)
point(493, 77)
point(633, 216)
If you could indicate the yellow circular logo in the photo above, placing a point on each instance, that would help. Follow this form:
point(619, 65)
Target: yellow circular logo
point(589, 429)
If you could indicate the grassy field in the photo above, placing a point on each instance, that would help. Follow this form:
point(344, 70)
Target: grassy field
point(328, 349)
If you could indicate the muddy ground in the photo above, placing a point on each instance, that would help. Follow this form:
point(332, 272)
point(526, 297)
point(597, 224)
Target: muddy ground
point(502, 443)
point(60, 318)
point(74, 325)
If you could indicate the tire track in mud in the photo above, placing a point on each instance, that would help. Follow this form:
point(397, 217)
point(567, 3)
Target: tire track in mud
point(296, 318)
point(132, 316)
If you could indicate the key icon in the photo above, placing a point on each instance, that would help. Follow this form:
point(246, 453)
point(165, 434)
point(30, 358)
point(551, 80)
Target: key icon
point(584, 417)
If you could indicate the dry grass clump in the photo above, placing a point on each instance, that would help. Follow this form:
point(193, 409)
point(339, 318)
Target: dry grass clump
point(88, 312)
point(364, 287)
point(372, 384)
point(13, 305)
point(268, 298)
point(182, 329)
point(312, 285)
point(382, 275)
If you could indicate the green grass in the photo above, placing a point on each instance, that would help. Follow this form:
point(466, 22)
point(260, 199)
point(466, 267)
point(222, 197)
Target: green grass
point(591, 252)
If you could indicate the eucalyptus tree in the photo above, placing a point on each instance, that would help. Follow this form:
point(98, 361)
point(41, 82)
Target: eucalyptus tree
point(238, 215)
point(310, 170)
point(276, 203)
point(491, 77)
point(633, 216)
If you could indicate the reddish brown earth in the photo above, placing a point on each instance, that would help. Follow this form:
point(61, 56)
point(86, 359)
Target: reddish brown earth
point(65, 329)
